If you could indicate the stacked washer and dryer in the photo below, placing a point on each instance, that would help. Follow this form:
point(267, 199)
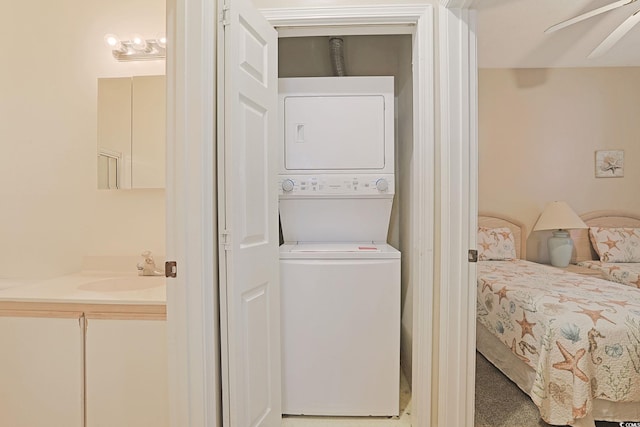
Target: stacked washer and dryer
point(340, 280)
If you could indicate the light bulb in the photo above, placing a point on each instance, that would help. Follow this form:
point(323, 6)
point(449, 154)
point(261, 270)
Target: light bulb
point(162, 41)
point(113, 41)
point(138, 42)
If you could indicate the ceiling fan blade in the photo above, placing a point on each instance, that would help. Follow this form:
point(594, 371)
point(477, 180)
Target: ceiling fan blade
point(616, 35)
point(589, 14)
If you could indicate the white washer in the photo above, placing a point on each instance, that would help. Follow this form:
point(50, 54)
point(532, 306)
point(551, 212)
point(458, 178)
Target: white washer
point(340, 297)
point(340, 306)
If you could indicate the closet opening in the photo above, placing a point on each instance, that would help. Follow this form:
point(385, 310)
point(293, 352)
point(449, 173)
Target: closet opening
point(387, 52)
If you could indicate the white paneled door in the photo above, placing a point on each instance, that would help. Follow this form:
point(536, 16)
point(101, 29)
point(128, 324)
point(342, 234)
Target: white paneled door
point(248, 215)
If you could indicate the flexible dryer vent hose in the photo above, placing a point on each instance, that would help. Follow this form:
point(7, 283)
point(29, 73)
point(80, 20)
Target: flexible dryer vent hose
point(336, 45)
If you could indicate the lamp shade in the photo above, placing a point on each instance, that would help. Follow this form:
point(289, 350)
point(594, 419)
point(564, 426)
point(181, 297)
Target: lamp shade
point(558, 216)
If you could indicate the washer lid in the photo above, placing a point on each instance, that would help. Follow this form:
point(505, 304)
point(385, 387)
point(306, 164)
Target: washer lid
point(338, 251)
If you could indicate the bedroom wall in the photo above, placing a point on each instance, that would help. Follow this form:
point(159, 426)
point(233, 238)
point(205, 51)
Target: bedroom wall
point(538, 133)
point(52, 215)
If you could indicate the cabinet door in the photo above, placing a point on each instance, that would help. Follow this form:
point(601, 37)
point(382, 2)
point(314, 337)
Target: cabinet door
point(41, 371)
point(126, 373)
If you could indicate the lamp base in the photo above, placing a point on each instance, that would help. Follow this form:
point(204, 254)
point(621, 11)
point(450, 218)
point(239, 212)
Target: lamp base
point(560, 248)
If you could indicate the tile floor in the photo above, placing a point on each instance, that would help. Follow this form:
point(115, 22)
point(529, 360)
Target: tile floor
point(404, 420)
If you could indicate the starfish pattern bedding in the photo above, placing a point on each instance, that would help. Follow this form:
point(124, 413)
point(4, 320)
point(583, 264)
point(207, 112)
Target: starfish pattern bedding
point(580, 334)
point(627, 273)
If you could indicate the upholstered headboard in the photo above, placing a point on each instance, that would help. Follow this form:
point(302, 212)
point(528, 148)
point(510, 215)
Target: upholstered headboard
point(583, 249)
point(491, 220)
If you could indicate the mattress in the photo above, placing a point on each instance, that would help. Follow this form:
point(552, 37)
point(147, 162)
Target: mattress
point(627, 273)
point(576, 338)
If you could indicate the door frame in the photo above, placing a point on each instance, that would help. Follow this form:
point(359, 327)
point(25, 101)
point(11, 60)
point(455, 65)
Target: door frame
point(192, 297)
point(396, 20)
point(193, 333)
point(455, 306)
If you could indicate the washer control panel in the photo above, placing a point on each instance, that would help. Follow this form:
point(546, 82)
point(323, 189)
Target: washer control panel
point(338, 184)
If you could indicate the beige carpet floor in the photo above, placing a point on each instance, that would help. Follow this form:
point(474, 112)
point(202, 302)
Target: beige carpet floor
point(499, 402)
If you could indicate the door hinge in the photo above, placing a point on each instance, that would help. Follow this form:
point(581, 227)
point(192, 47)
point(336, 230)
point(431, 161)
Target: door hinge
point(225, 240)
point(473, 255)
point(170, 269)
point(224, 15)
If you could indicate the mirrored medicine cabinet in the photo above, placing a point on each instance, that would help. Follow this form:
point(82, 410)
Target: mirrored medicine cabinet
point(131, 132)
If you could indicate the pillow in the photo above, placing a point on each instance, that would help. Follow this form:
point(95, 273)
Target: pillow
point(582, 247)
point(496, 244)
point(616, 244)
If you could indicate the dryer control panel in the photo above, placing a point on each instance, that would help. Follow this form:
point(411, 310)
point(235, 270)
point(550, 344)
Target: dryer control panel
point(352, 185)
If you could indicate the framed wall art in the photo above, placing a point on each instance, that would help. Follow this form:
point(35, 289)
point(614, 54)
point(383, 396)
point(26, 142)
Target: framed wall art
point(609, 163)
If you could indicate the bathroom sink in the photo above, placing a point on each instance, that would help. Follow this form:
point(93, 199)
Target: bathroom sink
point(123, 284)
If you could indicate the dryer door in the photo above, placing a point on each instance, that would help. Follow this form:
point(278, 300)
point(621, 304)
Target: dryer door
point(334, 132)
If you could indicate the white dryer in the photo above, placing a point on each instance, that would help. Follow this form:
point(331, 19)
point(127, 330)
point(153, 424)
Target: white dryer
point(340, 281)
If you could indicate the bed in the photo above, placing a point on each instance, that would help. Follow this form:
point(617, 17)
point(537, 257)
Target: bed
point(608, 230)
point(571, 342)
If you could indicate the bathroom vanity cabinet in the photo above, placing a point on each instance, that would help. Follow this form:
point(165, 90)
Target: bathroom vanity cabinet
point(126, 372)
point(41, 363)
point(83, 365)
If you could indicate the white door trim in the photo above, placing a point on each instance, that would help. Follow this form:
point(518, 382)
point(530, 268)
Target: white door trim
point(456, 307)
point(345, 15)
point(192, 297)
point(423, 178)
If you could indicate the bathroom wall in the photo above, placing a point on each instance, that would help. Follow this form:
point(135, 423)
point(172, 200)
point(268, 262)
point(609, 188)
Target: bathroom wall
point(52, 215)
point(538, 133)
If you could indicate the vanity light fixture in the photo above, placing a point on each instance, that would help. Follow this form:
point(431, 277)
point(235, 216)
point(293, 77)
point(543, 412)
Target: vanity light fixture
point(138, 48)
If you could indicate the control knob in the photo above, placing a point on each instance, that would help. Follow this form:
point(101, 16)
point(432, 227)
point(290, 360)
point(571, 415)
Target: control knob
point(287, 185)
point(382, 184)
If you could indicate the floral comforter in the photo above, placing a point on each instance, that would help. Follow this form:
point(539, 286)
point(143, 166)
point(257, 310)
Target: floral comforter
point(627, 273)
point(580, 334)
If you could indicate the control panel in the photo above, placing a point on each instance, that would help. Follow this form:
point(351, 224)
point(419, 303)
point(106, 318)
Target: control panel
point(336, 184)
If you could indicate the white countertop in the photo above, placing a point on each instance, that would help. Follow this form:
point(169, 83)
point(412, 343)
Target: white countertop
point(87, 287)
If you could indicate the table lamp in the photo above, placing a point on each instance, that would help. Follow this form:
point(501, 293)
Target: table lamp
point(559, 217)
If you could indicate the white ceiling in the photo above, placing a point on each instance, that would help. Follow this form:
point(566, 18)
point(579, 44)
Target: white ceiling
point(511, 34)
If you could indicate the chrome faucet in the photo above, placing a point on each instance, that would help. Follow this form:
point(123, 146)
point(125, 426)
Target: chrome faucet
point(147, 267)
